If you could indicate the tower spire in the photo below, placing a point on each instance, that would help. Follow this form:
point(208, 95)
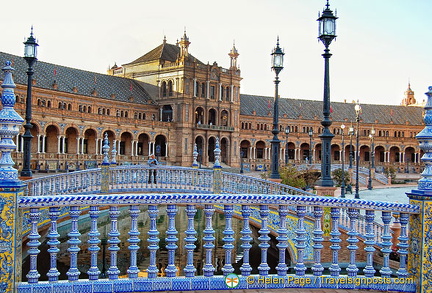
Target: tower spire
point(184, 45)
point(233, 56)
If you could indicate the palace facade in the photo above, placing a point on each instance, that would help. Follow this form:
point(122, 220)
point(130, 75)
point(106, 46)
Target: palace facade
point(167, 101)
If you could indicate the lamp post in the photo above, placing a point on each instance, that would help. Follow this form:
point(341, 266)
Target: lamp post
point(287, 130)
point(372, 159)
point(310, 145)
point(327, 32)
point(357, 109)
point(277, 66)
point(343, 163)
point(30, 56)
point(351, 155)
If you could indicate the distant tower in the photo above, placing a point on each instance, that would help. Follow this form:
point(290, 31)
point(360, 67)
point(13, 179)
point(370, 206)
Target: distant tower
point(233, 55)
point(409, 97)
point(184, 45)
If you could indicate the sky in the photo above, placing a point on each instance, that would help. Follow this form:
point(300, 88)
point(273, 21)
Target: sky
point(381, 45)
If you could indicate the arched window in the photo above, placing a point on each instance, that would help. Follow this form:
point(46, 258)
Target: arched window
point(196, 88)
point(89, 109)
point(164, 89)
point(69, 107)
point(227, 96)
point(108, 112)
point(49, 104)
point(170, 88)
point(203, 90)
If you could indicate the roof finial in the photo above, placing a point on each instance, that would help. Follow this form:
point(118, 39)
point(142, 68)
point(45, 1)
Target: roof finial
point(328, 4)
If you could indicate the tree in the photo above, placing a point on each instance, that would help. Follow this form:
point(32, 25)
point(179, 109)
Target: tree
point(337, 176)
point(292, 177)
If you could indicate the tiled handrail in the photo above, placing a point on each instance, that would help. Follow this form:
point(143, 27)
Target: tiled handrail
point(140, 178)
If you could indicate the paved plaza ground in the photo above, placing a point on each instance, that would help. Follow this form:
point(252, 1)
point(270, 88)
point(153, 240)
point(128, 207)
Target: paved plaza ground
point(392, 193)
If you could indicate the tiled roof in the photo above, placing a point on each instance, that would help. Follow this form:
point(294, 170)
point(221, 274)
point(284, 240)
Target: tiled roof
point(164, 51)
point(86, 82)
point(308, 110)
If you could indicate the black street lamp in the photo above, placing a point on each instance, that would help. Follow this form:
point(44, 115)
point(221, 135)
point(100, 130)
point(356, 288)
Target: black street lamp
point(277, 66)
point(30, 56)
point(287, 131)
point(357, 109)
point(372, 159)
point(310, 145)
point(351, 155)
point(327, 32)
point(343, 163)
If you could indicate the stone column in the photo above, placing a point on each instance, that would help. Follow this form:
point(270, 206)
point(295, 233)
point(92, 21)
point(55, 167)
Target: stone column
point(63, 142)
point(43, 143)
point(10, 189)
point(38, 144)
point(58, 144)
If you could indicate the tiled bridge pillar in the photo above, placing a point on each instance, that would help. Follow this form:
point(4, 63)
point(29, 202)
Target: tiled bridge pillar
point(10, 188)
point(420, 242)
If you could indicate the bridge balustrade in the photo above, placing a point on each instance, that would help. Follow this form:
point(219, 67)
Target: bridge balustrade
point(178, 259)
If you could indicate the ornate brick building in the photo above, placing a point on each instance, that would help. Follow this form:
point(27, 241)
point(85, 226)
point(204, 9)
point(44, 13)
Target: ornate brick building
point(167, 100)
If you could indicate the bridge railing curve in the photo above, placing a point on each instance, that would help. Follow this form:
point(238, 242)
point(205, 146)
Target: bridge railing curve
point(141, 178)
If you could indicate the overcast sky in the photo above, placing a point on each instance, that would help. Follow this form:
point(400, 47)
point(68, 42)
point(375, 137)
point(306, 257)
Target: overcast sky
point(381, 45)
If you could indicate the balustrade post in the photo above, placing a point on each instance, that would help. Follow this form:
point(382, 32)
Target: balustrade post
point(228, 240)
point(264, 239)
point(335, 242)
point(153, 241)
point(208, 240)
point(10, 189)
point(74, 242)
point(352, 240)
point(217, 170)
point(190, 239)
point(171, 241)
point(105, 180)
point(420, 225)
point(53, 242)
point(300, 267)
point(94, 242)
point(369, 270)
point(113, 241)
point(282, 239)
point(246, 240)
point(318, 239)
point(133, 241)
